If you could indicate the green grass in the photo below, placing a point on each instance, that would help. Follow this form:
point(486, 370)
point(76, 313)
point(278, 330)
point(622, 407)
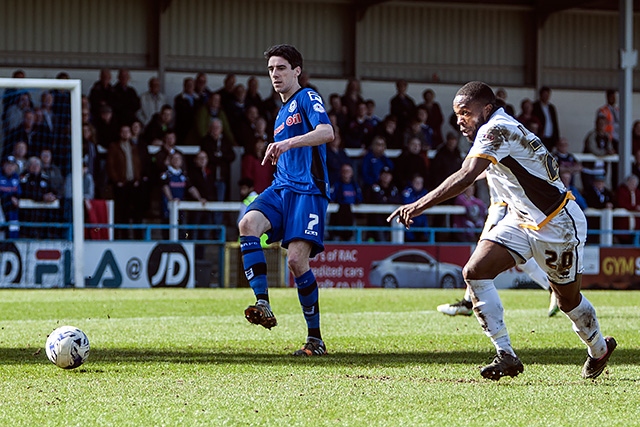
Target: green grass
point(188, 358)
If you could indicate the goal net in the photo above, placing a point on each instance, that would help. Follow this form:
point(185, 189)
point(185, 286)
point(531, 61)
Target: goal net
point(26, 100)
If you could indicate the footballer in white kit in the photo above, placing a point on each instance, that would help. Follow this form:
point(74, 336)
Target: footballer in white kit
point(542, 222)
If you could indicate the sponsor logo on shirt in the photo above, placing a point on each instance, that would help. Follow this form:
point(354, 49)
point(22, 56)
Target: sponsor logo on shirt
point(293, 120)
point(319, 108)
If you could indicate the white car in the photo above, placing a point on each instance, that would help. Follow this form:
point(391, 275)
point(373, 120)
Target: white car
point(413, 268)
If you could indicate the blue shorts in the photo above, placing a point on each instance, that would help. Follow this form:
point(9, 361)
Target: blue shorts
point(293, 216)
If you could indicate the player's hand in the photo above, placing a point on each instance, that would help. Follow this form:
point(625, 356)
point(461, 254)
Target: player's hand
point(404, 214)
point(273, 152)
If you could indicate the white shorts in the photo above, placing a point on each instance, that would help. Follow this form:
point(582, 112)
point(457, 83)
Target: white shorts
point(557, 247)
point(495, 213)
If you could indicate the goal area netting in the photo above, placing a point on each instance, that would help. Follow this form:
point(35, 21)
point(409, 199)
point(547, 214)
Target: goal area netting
point(67, 119)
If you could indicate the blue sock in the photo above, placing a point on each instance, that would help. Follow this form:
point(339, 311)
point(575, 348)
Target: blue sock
point(255, 265)
point(308, 296)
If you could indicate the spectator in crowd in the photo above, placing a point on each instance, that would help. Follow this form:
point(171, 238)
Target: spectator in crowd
point(10, 192)
point(45, 117)
point(201, 89)
point(262, 130)
point(567, 180)
point(15, 112)
point(627, 196)
point(35, 185)
point(11, 95)
point(203, 180)
point(146, 168)
point(345, 192)
point(56, 179)
point(375, 161)
point(501, 101)
point(236, 111)
point(90, 155)
point(246, 131)
point(124, 172)
point(412, 192)
point(402, 107)
point(388, 130)
point(19, 153)
point(566, 160)
point(611, 115)
point(176, 186)
point(383, 191)
point(635, 168)
point(213, 110)
point(371, 113)
point(226, 92)
point(101, 94)
point(435, 118)
point(336, 157)
point(252, 167)
point(221, 155)
point(474, 217)
point(351, 97)
point(151, 101)
point(360, 129)
point(597, 195)
point(160, 160)
point(635, 137)
point(446, 161)
point(33, 135)
point(252, 97)
point(599, 143)
point(338, 111)
point(106, 126)
point(88, 193)
point(411, 162)
point(161, 123)
point(185, 105)
point(418, 128)
point(546, 113)
point(527, 118)
point(125, 100)
point(247, 194)
point(62, 103)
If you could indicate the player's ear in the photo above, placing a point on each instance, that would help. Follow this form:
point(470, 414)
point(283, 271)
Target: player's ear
point(297, 71)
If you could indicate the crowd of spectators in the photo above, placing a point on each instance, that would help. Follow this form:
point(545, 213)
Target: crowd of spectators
point(119, 127)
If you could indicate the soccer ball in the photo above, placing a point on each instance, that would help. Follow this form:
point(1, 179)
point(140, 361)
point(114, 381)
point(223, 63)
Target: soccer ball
point(67, 347)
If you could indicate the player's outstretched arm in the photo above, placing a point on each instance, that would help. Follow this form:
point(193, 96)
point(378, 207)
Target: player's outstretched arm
point(322, 134)
point(451, 187)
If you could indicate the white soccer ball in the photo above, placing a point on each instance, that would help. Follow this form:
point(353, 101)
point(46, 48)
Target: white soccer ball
point(67, 347)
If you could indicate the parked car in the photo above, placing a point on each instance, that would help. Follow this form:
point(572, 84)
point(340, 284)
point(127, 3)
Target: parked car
point(414, 268)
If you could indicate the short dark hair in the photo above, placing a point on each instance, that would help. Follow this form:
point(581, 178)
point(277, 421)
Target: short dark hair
point(247, 182)
point(478, 91)
point(287, 52)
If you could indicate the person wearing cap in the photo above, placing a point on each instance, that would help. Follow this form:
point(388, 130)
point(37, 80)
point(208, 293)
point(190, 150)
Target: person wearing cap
point(10, 195)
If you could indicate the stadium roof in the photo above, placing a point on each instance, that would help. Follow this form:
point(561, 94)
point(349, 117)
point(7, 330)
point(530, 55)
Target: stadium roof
point(543, 7)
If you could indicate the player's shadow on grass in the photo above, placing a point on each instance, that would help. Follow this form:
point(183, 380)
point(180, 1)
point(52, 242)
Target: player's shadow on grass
point(550, 356)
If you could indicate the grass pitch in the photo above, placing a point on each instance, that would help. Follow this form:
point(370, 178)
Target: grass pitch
point(188, 358)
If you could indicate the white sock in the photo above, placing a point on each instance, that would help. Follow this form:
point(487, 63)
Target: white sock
point(536, 273)
point(585, 324)
point(467, 294)
point(490, 313)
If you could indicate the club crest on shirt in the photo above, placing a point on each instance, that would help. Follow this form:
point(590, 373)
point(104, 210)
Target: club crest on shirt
point(293, 106)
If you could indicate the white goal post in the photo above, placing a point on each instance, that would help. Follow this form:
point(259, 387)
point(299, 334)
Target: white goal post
point(75, 88)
